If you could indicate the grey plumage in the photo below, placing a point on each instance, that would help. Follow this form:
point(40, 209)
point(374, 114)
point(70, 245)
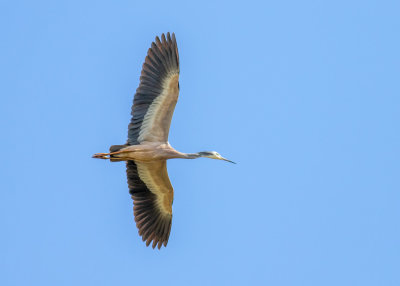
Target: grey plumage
point(147, 149)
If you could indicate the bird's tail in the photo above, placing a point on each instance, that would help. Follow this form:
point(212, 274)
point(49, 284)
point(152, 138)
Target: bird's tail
point(115, 148)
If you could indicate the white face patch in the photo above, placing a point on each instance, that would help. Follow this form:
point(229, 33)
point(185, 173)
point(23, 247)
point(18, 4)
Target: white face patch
point(212, 155)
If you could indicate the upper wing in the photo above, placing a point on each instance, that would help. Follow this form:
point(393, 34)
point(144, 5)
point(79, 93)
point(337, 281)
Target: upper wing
point(152, 195)
point(157, 94)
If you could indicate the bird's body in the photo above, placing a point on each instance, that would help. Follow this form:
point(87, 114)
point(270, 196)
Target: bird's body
point(147, 152)
point(147, 147)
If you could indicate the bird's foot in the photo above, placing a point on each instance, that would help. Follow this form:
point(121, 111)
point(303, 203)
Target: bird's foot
point(101, 156)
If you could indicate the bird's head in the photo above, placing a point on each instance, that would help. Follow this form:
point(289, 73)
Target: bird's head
point(214, 155)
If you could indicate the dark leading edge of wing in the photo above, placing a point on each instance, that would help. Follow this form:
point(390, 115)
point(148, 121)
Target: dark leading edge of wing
point(152, 224)
point(161, 61)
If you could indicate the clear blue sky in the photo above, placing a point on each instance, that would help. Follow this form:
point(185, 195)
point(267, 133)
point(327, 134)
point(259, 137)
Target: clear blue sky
point(304, 95)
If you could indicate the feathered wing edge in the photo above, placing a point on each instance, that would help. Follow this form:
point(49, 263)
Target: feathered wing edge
point(162, 62)
point(153, 224)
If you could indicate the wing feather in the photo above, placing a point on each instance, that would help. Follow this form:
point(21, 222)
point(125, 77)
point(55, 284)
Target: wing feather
point(152, 195)
point(157, 94)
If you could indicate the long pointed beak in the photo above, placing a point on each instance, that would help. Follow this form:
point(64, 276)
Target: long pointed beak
point(228, 160)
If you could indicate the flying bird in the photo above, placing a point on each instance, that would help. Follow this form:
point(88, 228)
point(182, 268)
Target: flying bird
point(147, 149)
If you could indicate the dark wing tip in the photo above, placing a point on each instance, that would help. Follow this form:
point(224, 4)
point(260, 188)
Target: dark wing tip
point(168, 44)
point(153, 226)
point(166, 36)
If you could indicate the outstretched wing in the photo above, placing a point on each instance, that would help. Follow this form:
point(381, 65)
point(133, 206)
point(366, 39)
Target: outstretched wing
point(157, 94)
point(152, 195)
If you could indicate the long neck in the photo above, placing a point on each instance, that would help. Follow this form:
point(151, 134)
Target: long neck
point(205, 154)
point(191, 155)
point(176, 154)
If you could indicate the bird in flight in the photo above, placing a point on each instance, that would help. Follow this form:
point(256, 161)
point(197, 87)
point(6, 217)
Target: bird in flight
point(147, 150)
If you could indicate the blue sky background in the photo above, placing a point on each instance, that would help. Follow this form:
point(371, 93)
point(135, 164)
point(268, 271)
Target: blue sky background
point(304, 95)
